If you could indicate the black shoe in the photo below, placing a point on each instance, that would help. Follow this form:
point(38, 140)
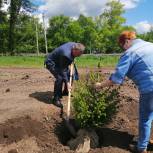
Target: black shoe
point(57, 103)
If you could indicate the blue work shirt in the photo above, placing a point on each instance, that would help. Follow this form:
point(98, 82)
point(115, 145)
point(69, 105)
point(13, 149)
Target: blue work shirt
point(60, 58)
point(137, 64)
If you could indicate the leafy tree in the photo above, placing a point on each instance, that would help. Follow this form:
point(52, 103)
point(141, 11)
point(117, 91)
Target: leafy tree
point(112, 14)
point(15, 8)
point(110, 24)
point(89, 32)
point(0, 3)
point(26, 33)
point(74, 32)
point(98, 34)
point(57, 31)
point(3, 32)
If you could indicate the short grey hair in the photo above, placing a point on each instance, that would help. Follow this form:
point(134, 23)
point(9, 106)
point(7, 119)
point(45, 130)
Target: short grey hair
point(79, 46)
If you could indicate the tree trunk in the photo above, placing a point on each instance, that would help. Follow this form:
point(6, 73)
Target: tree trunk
point(0, 3)
point(14, 11)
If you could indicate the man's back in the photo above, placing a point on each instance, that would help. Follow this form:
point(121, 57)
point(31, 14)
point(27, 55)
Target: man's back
point(142, 70)
point(61, 56)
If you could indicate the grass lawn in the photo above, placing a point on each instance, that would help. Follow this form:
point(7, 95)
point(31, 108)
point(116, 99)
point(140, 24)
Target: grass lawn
point(94, 61)
point(21, 61)
point(37, 62)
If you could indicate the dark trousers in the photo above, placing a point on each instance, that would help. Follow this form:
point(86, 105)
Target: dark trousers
point(58, 84)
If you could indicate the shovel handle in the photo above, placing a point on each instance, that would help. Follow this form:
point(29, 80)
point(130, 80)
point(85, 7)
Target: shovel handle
point(69, 93)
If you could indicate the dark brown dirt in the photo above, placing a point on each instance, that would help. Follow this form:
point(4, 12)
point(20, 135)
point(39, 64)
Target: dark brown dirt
point(30, 123)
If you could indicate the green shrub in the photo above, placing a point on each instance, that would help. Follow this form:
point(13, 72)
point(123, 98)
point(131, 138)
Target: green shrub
point(94, 108)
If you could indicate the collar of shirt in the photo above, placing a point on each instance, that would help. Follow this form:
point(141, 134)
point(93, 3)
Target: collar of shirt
point(135, 41)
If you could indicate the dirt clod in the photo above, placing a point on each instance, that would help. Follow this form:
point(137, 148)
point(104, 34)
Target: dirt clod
point(7, 90)
point(25, 77)
point(13, 151)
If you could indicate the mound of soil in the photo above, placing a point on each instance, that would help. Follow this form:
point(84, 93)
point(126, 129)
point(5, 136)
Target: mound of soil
point(27, 135)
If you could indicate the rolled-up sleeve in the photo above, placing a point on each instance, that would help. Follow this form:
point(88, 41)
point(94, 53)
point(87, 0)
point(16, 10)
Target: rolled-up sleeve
point(123, 67)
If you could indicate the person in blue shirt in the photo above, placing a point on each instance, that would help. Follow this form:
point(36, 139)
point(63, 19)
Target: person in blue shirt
point(137, 64)
point(57, 62)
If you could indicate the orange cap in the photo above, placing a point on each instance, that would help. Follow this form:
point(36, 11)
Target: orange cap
point(126, 35)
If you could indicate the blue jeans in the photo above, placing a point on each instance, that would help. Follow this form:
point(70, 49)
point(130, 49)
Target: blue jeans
point(145, 119)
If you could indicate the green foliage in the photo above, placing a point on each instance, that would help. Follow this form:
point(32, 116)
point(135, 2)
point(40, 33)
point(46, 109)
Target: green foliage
point(0, 3)
point(57, 31)
point(110, 24)
point(26, 34)
point(112, 14)
point(98, 34)
point(3, 32)
point(92, 108)
point(147, 36)
point(15, 7)
point(74, 32)
point(89, 32)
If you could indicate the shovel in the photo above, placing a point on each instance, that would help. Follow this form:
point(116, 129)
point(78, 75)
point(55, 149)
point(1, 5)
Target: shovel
point(67, 119)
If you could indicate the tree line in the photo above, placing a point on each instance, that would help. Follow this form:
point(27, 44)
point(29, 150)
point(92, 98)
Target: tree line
point(18, 29)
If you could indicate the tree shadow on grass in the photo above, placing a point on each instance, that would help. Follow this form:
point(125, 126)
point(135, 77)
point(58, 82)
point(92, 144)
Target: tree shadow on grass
point(45, 97)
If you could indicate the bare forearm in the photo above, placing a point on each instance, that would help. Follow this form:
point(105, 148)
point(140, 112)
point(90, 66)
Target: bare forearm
point(106, 83)
point(103, 84)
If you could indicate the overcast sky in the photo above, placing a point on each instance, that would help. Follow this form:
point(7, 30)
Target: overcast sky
point(138, 12)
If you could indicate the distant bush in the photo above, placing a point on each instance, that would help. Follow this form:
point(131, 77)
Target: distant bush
point(94, 108)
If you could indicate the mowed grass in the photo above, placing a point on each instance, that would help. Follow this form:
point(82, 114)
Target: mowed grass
point(22, 61)
point(95, 61)
point(38, 61)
